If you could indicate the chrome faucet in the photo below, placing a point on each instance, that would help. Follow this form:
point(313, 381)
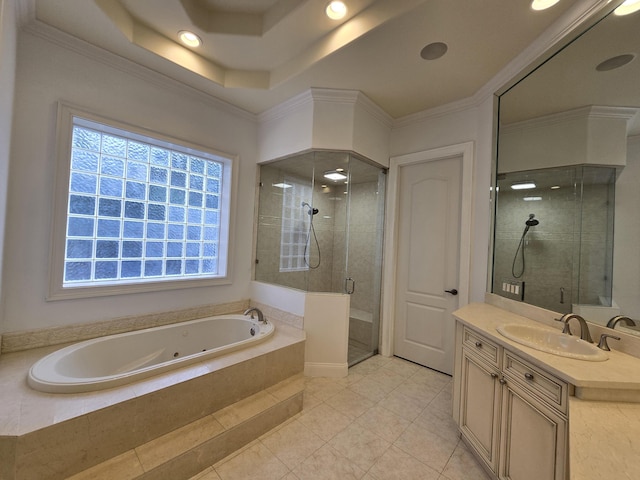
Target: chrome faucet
point(261, 318)
point(584, 329)
point(620, 318)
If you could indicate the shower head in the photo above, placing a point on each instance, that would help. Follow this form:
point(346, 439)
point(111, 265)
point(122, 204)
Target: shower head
point(532, 222)
point(312, 211)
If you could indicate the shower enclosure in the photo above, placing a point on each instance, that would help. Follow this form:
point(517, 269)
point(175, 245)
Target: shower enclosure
point(554, 236)
point(320, 229)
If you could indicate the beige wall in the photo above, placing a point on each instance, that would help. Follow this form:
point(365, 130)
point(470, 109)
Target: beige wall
point(114, 88)
point(8, 33)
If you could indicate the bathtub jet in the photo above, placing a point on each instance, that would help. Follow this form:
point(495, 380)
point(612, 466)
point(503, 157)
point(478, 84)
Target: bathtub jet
point(119, 359)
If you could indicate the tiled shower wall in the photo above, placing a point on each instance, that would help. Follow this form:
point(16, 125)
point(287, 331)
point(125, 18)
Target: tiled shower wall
point(365, 227)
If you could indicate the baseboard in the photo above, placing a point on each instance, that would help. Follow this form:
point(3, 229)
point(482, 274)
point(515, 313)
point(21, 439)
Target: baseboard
point(331, 370)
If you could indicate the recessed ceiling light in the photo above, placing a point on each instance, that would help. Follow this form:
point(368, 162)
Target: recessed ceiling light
point(336, 10)
point(532, 199)
point(190, 39)
point(628, 7)
point(615, 62)
point(555, 187)
point(433, 51)
point(523, 186)
point(543, 4)
point(334, 175)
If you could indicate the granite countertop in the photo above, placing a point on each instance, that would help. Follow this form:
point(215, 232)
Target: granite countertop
point(603, 435)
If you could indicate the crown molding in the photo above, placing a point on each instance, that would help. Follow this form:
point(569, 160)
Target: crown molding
point(285, 108)
point(580, 113)
point(81, 47)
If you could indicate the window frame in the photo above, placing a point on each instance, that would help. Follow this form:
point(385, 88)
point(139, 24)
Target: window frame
point(64, 133)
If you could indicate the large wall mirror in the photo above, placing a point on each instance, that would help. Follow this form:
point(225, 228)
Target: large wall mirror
point(567, 220)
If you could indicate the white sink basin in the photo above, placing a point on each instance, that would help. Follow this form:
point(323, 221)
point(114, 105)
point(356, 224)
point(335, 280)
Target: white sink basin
point(552, 341)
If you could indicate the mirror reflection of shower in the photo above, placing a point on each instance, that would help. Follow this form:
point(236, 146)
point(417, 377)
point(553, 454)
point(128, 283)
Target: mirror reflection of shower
point(307, 244)
point(531, 222)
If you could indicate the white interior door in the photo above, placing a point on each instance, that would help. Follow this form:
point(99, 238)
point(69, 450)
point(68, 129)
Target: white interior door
point(428, 252)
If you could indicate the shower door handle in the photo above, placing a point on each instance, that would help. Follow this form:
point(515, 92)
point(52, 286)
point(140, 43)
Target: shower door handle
point(453, 291)
point(349, 285)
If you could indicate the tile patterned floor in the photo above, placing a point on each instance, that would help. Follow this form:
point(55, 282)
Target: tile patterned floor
point(388, 419)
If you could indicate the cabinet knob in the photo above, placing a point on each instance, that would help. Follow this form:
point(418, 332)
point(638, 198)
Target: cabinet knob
point(494, 375)
point(528, 376)
point(479, 344)
point(503, 381)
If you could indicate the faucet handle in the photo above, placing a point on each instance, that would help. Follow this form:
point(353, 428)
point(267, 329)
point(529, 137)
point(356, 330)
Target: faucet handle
point(603, 341)
point(565, 328)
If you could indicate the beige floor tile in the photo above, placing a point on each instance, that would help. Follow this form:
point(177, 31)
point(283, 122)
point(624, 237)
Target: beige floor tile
point(293, 443)
point(406, 407)
point(383, 423)
point(398, 465)
point(236, 453)
point(402, 367)
point(443, 402)
point(208, 474)
point(360, 445)
point(325, 421)
point(365, 368)
point(350, 403)
point(370, 389)
point(463, 466)
point(425, 446)
point(427, 376)
point(327, 464)
point(387, 378)
point(419, 391)
point(323, 388)
point(439, 422)
point(254, 463)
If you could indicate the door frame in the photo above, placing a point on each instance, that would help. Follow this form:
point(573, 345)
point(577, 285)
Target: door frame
point(466, 150)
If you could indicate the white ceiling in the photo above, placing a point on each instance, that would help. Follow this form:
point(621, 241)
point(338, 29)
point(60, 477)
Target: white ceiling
point(259, 53)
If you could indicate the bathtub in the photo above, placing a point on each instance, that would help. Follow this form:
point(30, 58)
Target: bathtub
point(122, 358)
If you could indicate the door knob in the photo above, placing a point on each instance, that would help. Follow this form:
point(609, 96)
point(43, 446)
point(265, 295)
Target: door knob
point(453, 291)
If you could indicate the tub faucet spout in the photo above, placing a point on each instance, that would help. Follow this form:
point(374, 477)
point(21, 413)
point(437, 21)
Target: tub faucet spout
point(261, 317)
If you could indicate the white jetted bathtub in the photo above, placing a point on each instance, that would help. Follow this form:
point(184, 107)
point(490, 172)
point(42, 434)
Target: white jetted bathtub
point(106, 362)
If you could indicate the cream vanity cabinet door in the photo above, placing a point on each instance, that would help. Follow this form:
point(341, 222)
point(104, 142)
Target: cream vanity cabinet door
point(479, 416)
point(511, 413)
point(480, 408)
point(533, 438)
point(534, 423)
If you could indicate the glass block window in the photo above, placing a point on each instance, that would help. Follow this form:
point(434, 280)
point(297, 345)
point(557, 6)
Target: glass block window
point(295, 225)
point(142, 209)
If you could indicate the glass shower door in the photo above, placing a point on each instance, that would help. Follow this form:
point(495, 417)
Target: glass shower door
point(363, 259)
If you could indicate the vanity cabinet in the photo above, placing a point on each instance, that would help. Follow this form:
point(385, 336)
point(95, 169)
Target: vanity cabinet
point(512, 413)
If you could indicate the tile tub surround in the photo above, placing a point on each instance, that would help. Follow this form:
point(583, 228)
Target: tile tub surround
point(26, 340)
point(56, 435)
point(592, 424)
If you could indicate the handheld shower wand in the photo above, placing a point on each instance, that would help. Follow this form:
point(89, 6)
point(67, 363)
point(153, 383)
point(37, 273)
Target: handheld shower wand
point(311, 211)
point(530, 222)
